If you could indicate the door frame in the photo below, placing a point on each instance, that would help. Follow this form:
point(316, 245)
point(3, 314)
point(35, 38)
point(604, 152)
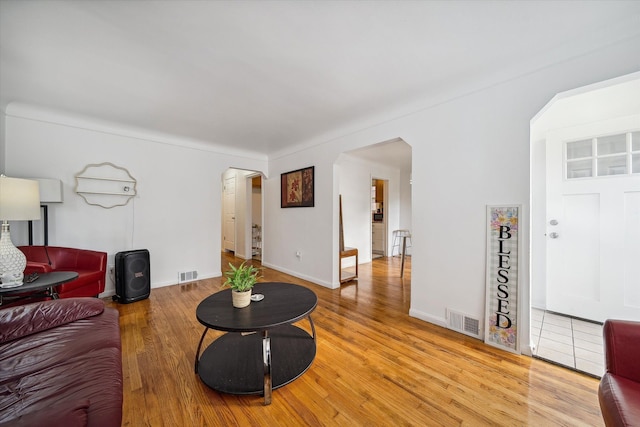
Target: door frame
point(599, 101)
point(243, 214)
point(249, 206)
point(386, 209)
point(226, 177)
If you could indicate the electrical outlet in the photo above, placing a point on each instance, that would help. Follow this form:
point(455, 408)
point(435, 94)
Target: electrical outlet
point(299, 255)
point(112, 273)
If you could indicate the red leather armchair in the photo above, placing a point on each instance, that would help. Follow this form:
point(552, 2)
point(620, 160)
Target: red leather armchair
point(619, 390)
point(91, 267)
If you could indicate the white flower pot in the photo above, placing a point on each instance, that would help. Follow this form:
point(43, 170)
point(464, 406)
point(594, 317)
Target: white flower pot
point(241, 299)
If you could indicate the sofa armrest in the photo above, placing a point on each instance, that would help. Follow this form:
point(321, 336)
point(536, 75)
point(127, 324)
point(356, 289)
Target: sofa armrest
point(37, 267)
point(80, 259)
point(619, 399)
point(20, 321)
point(621, 348)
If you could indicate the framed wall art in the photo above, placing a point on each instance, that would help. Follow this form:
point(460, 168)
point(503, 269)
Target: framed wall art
point(296, 188)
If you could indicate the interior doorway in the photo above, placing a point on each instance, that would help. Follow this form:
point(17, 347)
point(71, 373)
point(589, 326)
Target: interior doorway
point(242, 208)
point(390, 163)
point(379, 233)
point(229, 213)
point(256, 216)
point(585, 220)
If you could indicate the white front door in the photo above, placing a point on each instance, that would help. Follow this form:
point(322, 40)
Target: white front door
point(593, 220)
point(229, 202)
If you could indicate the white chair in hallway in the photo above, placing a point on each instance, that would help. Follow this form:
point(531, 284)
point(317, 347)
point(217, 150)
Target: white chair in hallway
point(398, 237)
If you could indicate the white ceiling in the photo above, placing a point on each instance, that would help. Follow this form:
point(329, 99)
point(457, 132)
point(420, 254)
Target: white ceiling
point(267, 76)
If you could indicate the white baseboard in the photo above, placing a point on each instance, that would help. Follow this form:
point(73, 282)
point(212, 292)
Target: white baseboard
point(439, 321)
point(300, 276)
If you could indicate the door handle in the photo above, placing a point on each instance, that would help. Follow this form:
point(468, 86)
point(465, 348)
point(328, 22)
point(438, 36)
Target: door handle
point(554, 235)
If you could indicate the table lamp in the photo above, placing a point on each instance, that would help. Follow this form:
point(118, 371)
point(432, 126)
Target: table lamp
point(19, 201)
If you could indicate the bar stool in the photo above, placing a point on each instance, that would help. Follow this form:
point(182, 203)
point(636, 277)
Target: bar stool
point(398, 235)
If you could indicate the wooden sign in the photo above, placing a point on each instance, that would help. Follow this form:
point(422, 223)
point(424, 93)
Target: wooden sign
point(503, 244)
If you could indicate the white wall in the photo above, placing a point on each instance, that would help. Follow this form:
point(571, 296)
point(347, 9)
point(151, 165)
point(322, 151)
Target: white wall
point(314, 231)
point(176, 213)
point(307, 230)
point(2, 143)
point(467, 153)
point(406, 218)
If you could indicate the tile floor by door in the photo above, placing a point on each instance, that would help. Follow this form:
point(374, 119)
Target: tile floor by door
point(570, 342)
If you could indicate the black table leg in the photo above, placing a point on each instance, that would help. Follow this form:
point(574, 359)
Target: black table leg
point(266, 358)
point(404, 249)
point(313, 328)
point(198, 350)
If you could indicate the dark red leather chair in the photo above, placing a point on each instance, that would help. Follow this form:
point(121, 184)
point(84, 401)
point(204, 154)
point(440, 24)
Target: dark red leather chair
point(61, 364)
point(619, 390)
point(91, 267)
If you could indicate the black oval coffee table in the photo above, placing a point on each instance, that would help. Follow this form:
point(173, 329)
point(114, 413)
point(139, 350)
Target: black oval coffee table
point(262, 349)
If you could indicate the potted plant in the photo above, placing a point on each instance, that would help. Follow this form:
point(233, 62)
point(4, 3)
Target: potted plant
point(241, 280)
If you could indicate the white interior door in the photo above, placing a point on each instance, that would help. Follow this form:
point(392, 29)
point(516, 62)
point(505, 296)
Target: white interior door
point(229, 202)
point(593, 221)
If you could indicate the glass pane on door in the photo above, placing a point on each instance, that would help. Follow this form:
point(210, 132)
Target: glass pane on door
point(579, 149)
point(612, 144)
point(579, 169)
point(616, 165)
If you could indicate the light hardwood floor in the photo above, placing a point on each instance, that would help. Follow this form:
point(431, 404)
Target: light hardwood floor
point(375, 365)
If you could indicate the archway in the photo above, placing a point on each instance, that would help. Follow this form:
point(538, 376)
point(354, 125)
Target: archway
point(239, 213)
point(390, 162)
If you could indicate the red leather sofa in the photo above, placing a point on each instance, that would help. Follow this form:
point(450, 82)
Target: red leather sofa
point(619, 390)
point(60, 364)
point(91, 267)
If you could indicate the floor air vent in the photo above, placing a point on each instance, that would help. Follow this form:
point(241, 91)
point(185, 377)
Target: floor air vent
point(463, 323)
point(187, 276)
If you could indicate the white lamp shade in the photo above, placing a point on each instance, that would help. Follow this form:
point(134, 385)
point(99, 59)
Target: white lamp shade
point(50, 190)
point(19, 199)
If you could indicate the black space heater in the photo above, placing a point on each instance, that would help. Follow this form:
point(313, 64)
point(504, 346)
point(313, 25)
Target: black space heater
point(133, 281)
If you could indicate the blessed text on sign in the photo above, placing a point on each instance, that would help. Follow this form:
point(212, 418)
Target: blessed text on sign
point(502, 277)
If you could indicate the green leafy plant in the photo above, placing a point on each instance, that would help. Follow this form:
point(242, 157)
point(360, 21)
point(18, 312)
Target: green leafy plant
point(241, 278)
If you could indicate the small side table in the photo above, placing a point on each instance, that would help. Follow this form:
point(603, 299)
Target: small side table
point(42, 287)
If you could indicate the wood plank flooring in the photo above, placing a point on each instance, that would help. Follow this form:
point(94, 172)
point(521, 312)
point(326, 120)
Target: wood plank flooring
point(375, 366)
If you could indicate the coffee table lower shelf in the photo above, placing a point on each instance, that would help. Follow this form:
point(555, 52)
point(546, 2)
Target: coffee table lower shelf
point(234, 362)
